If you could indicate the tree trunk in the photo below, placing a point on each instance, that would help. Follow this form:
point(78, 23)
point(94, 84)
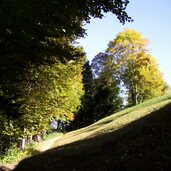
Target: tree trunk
point(134, 94)
point(23, 140)
point(31, 139)
point(23, 143)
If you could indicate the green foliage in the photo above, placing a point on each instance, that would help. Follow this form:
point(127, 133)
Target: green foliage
point(40, 68)
point(106, 87)
point(167, 88)
point(125, 65)
point(107, 100)
point(151, 83)
point(47, 93)
point(35, 31)
point(135, 67)
point(14, 154)
point(85, 116)
point(56, 89)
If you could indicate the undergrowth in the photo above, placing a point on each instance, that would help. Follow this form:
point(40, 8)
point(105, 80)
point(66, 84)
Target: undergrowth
point(15, 154)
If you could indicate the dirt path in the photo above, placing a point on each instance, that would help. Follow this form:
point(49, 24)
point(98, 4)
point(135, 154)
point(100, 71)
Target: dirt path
point(45, 145)
point(42, 146)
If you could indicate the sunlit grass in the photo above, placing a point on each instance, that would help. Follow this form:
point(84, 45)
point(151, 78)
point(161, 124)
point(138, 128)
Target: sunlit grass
point(137, 138)
point(115, 121)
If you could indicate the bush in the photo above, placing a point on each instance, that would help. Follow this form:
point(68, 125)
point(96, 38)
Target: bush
point(15, 154)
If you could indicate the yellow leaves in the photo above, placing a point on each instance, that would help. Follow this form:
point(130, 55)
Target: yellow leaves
point(135, 66)
point(62, 114)
point(151, 80)
point(130, 38)
point(55, 91)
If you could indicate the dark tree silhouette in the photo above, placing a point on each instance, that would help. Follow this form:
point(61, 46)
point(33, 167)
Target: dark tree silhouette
point(85, 116)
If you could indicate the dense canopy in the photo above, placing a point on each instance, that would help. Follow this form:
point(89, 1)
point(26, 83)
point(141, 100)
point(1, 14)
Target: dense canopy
point(41, 64)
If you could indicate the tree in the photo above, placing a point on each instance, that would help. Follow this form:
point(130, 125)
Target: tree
point(38, 30)
point(106, 87)
point(37, 38)
point(135, 67)
point(38, 33)
point(167, 88)
point(84, 116)
point(48, 93)
point(151, 83)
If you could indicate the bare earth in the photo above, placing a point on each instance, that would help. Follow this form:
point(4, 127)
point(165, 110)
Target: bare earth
point(45, 145)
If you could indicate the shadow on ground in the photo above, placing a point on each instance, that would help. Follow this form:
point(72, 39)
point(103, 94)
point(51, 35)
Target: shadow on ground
point(144, 144)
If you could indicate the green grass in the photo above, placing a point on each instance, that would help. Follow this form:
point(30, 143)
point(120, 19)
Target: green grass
point(52, 135)
point(116, 121)
point(138, 138)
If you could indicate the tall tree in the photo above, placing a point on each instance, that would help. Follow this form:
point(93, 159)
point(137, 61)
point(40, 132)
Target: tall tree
point(34, 37)
point(35, 30)
point(106, 87)
point(48, 93)
point(136, 68)
point(36, 33)
point(85, 115)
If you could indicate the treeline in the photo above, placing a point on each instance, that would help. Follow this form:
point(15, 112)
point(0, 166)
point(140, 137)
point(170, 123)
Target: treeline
point(124, 75)
point(41, 64)
point(44, 75)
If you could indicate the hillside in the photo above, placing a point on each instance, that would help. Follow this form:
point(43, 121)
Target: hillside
point(138, 138)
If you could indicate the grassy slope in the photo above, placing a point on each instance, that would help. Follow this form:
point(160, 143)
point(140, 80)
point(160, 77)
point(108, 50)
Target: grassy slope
point(136, 138)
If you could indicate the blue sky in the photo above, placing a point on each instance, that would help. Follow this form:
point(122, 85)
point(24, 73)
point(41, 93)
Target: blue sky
point(152, 18)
